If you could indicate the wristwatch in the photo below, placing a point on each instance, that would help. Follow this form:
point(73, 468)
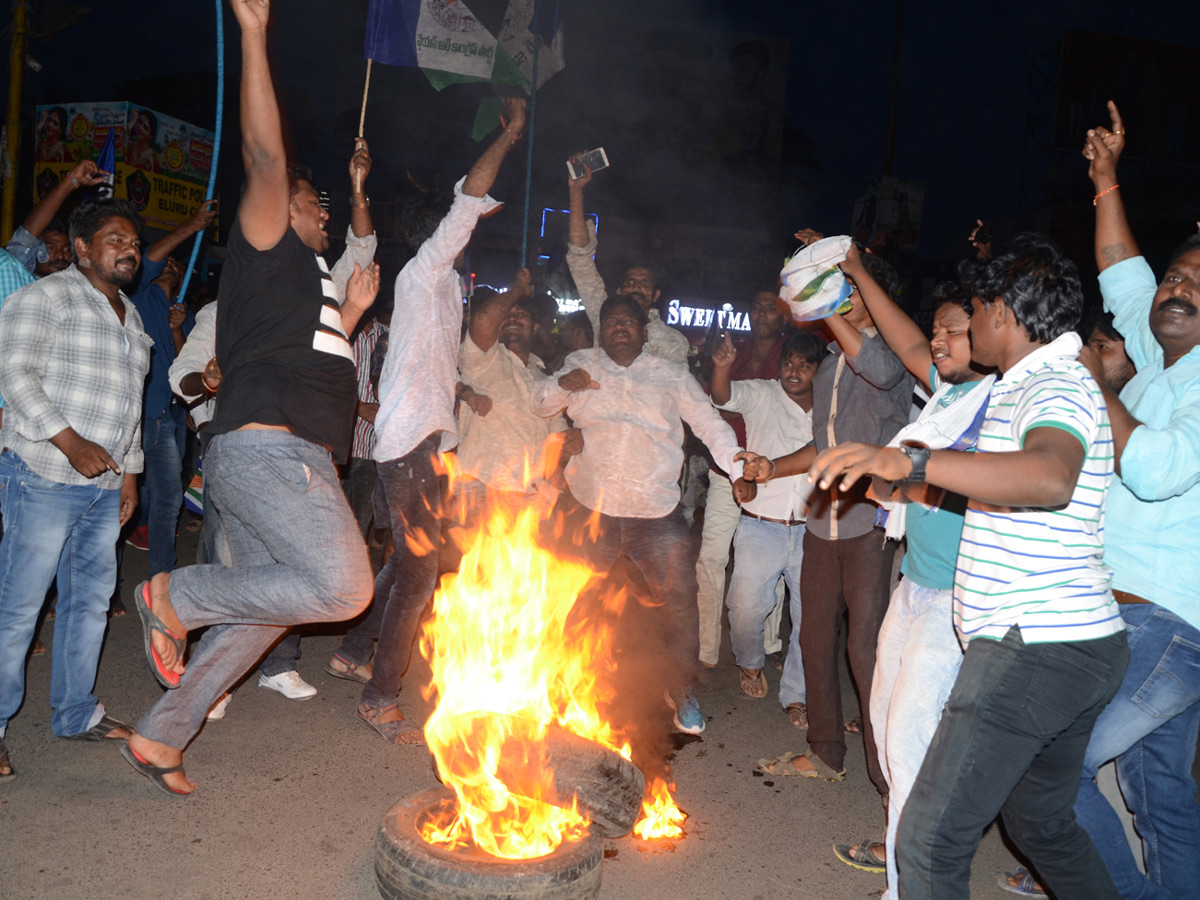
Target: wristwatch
point(918, 454)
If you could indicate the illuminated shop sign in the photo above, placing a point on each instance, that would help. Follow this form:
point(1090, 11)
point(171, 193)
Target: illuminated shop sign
point(704, 316)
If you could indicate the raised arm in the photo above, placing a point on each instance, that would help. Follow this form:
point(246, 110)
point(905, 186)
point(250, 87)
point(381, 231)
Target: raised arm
point(197, 222)
point(263, 213)
point(723, 358)
point(901, 333)
point(483, 174)
point(577, 231)
point(85, 174)
point(1103, 148)
point(489, 316)
point(581, 248)
point(360, 204)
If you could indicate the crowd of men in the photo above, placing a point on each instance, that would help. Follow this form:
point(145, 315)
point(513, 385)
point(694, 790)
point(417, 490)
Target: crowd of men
point(1045, 494)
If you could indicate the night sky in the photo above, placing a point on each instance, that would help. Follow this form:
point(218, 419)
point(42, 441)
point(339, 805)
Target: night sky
point(964, 94)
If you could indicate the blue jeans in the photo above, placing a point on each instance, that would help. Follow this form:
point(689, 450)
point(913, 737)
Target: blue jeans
point(162, 443)
point(661, 549)
point(1150, 729)
point(296, 557)
point(916, 662)
point(405, 584)
point(762, 552)
point(1011, 741)
point(213, 547)
point(69, 532)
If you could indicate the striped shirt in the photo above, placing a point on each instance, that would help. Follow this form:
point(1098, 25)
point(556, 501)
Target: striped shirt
point(364, 345)
point(1042, 569)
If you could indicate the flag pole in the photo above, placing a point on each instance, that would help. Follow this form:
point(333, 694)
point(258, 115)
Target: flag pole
point(212, 172)
point(362, 116)
point(537, 51)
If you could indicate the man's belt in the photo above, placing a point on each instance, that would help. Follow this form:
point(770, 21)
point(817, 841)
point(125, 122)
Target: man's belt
point(746, 512)
point(1126, 597)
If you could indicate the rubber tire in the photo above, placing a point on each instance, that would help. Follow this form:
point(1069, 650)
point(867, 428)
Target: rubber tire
point(609, 787)
point(408, 868)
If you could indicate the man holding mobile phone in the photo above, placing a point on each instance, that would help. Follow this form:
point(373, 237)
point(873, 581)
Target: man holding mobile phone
point(639, 281)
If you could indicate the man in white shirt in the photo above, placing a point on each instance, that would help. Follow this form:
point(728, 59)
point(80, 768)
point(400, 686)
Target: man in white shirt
point(639, 282)
point(414, 423)
point(631, 407)
point(498, 439)
point(769, 541)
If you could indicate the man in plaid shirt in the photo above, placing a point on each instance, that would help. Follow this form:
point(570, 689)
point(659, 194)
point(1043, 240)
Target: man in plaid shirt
point(73, 358)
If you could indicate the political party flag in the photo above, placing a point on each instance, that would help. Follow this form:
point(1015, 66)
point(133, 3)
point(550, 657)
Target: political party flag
point(107, 163)
point(439, 35)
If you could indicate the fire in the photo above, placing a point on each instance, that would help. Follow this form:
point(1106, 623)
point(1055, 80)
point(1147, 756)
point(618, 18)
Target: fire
point(508, 661)
point(661, 818)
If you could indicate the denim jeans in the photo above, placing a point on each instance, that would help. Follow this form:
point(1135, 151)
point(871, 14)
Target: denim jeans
point(661, 549)
point(295, 556)
point(163, 444)
point(69, 532)
point(405, 584)
point(213, 547)
point(917, 660)
point(763, 551)
point(847, 578)
point(1011, 741)
point(359, 485)
point(1150, 729)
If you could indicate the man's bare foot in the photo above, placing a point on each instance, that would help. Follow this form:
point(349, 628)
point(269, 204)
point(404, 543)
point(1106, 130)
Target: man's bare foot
point(160, 605)
point(164, 757)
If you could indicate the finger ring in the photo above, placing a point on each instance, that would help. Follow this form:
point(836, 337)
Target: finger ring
point(1118, 132)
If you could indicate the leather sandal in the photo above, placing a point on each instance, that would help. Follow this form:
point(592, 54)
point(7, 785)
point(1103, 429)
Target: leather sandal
point(390, 723)
point(753, 682)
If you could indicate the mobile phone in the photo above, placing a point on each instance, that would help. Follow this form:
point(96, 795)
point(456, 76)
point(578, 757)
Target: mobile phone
point(594, 159)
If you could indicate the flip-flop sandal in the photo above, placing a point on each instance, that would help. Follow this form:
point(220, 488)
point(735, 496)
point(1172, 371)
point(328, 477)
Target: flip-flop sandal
point(782, 766)
point(101, 731)
point(1027, 886)
point(395, 731)
point(753, 682)
point(150, 624)
point(6, 762)
point(798, 714)
point(862, 858)
point(854, 726)
point(153, 772)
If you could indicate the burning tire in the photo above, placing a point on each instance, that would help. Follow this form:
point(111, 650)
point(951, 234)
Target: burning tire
point(408, 868)
point(609, 787)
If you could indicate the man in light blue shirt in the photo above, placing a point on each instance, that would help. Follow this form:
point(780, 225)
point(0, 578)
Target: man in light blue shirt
point(1152, 544)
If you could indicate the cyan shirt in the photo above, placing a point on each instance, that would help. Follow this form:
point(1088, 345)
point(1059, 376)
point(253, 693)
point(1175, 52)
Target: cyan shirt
point(934, 532)
point(1153, 533)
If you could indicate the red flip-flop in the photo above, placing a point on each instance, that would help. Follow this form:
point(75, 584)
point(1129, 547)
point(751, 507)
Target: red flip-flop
point(150, 624)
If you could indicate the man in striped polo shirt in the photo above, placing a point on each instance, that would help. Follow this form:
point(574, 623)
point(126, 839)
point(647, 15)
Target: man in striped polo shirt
point(1033, 605)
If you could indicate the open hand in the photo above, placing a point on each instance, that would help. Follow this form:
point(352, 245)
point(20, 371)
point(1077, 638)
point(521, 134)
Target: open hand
point(362, 286)
point(852, 461)
point(577, 380)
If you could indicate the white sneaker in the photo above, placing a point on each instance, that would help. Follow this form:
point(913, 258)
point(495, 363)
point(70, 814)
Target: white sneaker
point(218, 708)
point(290, 684)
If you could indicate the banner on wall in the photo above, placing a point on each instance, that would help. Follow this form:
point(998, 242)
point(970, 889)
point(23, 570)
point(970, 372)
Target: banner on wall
point(161, 163)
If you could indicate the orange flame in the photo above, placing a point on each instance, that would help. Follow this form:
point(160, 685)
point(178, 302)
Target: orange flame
point(507, 662)
point(661, 818)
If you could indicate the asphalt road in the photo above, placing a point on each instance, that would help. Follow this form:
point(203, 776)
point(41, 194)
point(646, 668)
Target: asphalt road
point(290, 795)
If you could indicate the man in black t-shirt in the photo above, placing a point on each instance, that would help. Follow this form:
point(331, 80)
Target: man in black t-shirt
point(285, 412)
